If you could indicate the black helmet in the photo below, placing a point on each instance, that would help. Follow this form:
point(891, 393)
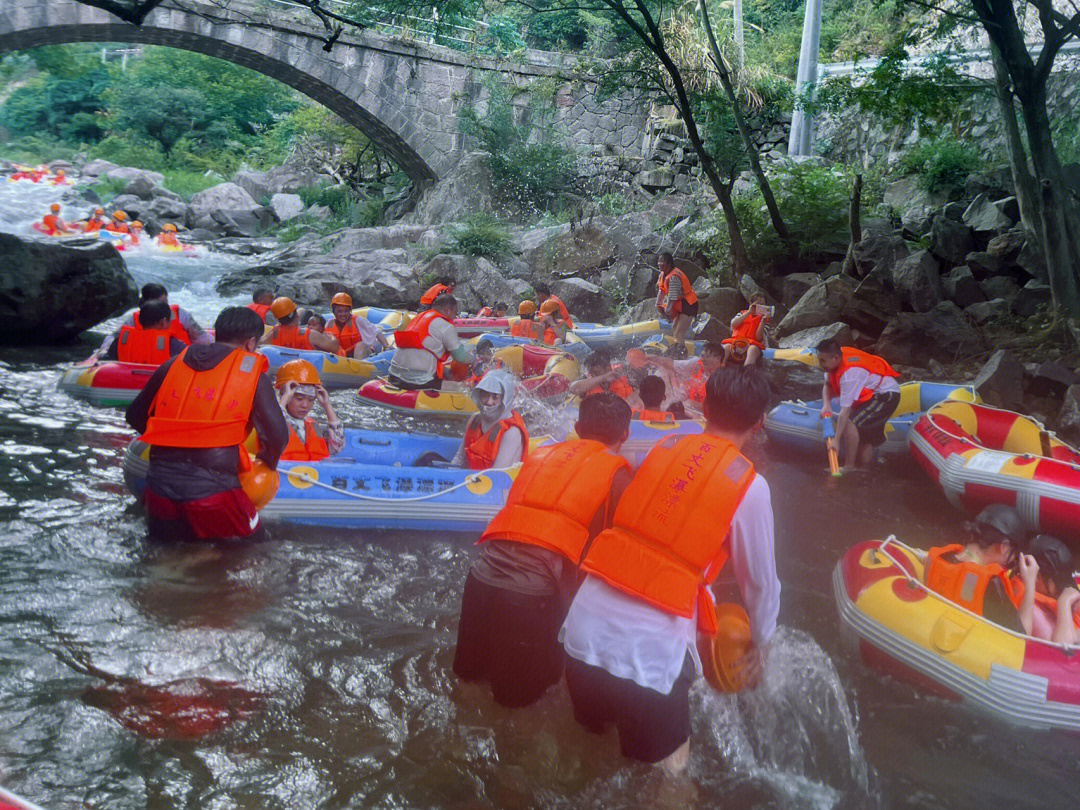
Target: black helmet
point(1054, 559)
point(1004, 519)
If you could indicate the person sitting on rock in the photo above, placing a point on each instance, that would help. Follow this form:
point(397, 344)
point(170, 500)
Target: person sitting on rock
point(356, 334)
point(52, 224)
point(95, 222)
point(289, 334)
point(552, 322)
point(526, 326)
point(182, 326)
point(119, 223)
point(261, 300)
point(167, 237)
point(298, 389)
point(150, 343)
point(747, 341)
point(1049, 602)
point(496, 437)
point(691, 374)
point(601, 378)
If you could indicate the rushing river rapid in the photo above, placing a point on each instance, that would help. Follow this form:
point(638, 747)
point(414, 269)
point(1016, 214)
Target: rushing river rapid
point(312, 670)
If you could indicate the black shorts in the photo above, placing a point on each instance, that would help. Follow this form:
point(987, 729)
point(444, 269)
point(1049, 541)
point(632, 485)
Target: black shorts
point(651, 726)
point(510, 640)
point(870, 418)
point(430, 385)
point(683, 308)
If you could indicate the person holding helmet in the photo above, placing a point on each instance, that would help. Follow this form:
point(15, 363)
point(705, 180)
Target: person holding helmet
point(182, 325)
point(526, 326)
point(289, 334)
point(552, 322)
point(119, 223)
point(299, 388)
point(196, 411)
point(167, 237)
point(52, 224)
point(972, 573)
point(1049, 602)
point(426, 346)
point(356, 335)
point(95, 221)
point(496, 437)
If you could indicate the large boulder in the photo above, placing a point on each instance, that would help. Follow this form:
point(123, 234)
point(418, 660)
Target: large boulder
point(749, 288)
point(479, 281)
point(287, 206)
point(914, 204)
point(951, 241)
point(222, 197)
point(879, 251)
point(872, 304)
point(1068, 419)
point(961, 287)
point(1000, 287)
point(820, 305)
point(986, 311)
point(141, 186)
point(1052, 379)
point(584, 300)
point(247, 223)
point(96, 168)
point(71, 287)
point(917, 280)
point(942, 334)
point(984, 217)
point(723, 304)
point(1032, 297)
point(289, 179)
point(466, 189)
point(1000, 382)
point(1006, 247)
point(571, 253)
point(812, 337)
point(254, 183)
point(793, 286)
point(129, 173)
point(984, 265)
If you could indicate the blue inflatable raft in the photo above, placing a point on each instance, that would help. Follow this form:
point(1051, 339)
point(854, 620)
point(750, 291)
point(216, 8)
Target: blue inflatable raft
point(334, 371)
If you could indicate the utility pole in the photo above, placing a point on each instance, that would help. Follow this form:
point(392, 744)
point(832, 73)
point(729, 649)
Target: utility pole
point(801, 141)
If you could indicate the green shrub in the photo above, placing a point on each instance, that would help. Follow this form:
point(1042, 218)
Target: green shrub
point(129, 151)
point(479, 235)
point(942, 165)
point(107, 189)
point(186, 183)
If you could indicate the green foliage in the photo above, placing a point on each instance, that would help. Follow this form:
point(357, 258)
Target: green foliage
point(68, 109)
point(186, 183)
point(479, 235)
point(129, 151)
point(942, 165)
point(107, 189)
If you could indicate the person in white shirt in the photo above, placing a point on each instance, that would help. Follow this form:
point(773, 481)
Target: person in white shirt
point(865, 388)
point(420, 367)
point(630, 633)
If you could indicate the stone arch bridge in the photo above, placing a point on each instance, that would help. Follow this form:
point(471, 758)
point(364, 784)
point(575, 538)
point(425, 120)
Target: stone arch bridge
point(404, 96)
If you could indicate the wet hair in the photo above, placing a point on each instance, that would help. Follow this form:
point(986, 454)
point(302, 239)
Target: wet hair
point(238, 325)
point(713, 348)
point(1054, 559)
point(501, 306)
point(154, 312)
point(603, 418)
point(736, 398)
point(319, 319)
point(829, 346)
point(666, 258)
point(651, 391)
point(261, 292)
point(445, 301)
point(152, 292)
point(543, 290)
point(598, 360)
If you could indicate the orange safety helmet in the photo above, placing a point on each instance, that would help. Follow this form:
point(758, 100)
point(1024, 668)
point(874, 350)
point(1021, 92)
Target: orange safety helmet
point(527, 308)
point(342, 299)
point(297, 371)
point(59, 172)
point(282, 307)
point(722, 655)
point(260, 483)
point(120, 215)
point(168, 226)
point(99, 212)
point(55, 208)
point(136, 224)
point(549, 307)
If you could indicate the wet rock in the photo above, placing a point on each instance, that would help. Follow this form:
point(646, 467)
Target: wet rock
point(240, 246)
point(723, 303)
point(129, 173)
point(1052, 379)
point(290, 179)
point(951, 241)
point(879, 251)
point(254, 183)
point(918, 282)
point(1000, 382)
point(242, 222)
point(39, 281)
point(200, 235)
point(641, 311)
point(711, 328)
point(986, 311)
point(287, 206)
point(820, 305)
point(983, 217)
point(914, 203)
point(1033, 296)
point(585, 300)
point(1000, 287)
point(1068, 418)
point(794, 286)
point(571, 253)
point(222, 197)
point(961, 287)
point(141, 186)
point(812, 337)
point(943, 333)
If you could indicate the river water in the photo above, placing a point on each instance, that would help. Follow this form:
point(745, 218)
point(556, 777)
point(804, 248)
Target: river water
point(313, 669)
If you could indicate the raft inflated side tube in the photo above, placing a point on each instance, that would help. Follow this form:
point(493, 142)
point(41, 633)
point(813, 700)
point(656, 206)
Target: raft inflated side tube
point(723, 655)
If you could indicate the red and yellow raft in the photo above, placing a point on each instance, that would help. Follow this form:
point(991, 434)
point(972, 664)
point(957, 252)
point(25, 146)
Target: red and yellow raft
point(910, 632)
point(981, 455)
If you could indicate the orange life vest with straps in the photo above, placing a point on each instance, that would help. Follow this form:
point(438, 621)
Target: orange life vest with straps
point(291, 337)
point(51, 224)
point(481, 448)
point(413, 336)
point(620, 386)
point(206, 408)
point(168, 239)
point(556, 495)
point(964, 583)
point(348, 336)
point(695, 388)
point(747, 331)
point(662, 284)
point(147, 346)
point(176, 329)
point(93, 225)
point(485, 312)
point(647, 415)
point(313, 448)
point(854, 358)
point(434, 292)
point(669, 538)
point(526, 329)
point(258, 309)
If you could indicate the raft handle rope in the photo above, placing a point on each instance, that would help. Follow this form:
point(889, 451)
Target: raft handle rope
point(475, 478)
point(913, 581)
point(969, 439)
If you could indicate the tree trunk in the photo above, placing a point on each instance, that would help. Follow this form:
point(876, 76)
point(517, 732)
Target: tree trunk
point(740, 262)
point(1023, 182)
point(854, 226)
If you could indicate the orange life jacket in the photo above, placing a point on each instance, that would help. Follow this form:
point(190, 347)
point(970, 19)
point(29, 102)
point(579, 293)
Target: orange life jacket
point(313, 448)
point(51, 224)
point(620, 386)
point(562, 310)
point(259, 309)
point(176, 329)
point(434, 292)
point(413, 336)
point(669, 538)
point(695, 388)
point(93, 225)
point(147, 346)
point(291, 337)
point(747, 331)
point(647, 415)
point(556, 495)
point(964, 583)
point(662, 283)
point(551, 335)
point(1047, 603)
point(485, 312)
point(348, 336)
point(206, 408)
point(481, 448)
point(115, 228)
point(527, 329)
point(168, 239)
point(854, 358)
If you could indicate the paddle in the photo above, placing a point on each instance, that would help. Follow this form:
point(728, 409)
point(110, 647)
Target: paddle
point(828, 430)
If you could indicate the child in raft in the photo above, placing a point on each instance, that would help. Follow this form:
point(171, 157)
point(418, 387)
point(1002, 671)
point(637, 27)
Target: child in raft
point(1051, 602)
point(298, 389)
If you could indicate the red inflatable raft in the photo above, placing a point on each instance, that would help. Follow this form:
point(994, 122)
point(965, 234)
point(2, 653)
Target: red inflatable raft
point(111, 383)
